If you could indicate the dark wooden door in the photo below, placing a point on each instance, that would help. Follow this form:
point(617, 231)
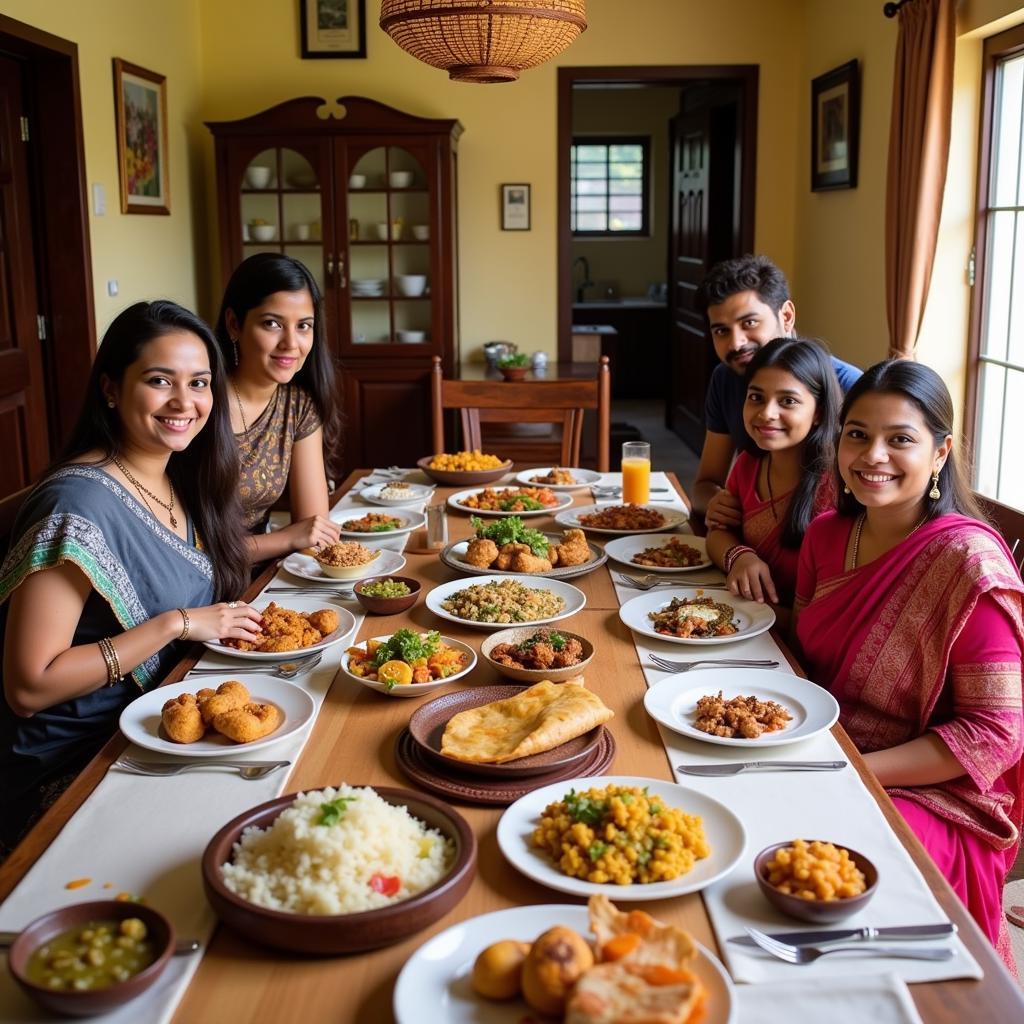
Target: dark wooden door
point(24, 440)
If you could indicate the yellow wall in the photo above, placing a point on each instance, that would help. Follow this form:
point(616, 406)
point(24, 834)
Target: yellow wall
point(149, 256)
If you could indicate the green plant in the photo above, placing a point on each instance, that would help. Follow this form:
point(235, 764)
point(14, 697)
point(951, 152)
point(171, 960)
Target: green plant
point(519, 359)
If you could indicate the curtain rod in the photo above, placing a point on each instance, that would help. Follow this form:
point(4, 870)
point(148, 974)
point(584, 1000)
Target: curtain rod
point(890, 10)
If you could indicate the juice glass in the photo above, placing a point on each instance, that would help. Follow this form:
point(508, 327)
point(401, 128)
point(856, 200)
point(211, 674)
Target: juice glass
point(636, 472)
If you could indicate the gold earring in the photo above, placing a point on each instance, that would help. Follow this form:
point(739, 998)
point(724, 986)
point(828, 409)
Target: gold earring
point(935, 493)
point(846, 488)
point(111, 403)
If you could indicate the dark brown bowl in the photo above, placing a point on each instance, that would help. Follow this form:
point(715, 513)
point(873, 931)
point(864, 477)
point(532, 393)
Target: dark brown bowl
point(388, 605)
point(513, 372)
point(463, 479)
point(535, 675)
point(815, 911)
point(427, 724)
point(100, 1000)
point(341, 933)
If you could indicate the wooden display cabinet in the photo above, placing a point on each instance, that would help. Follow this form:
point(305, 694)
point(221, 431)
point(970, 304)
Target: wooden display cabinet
point(365, 196)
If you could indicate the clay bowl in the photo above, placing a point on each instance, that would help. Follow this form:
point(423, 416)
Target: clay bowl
point(463, 479)
point(535, 675)
point(514, 372)
point(101, 1000)
point(341, 933)
point(815, 911)
point(387, 605)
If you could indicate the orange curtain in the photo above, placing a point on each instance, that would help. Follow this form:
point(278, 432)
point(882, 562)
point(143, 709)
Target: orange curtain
point(922, 101)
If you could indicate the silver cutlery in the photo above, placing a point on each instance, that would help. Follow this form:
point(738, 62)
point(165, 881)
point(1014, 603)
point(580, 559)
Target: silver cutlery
point(181, 948)
point(808, 954)
point(283, 669)
point(831, 935)
point(647, 582)
point(320, 589)
point(600, 491)
point(721, 770)
point(161, 769)
point(667, 665)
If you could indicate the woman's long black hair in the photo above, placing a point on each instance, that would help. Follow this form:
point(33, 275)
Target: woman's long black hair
point(204, 475)
point(258, 277)
point(925, 389)
point(810, 364)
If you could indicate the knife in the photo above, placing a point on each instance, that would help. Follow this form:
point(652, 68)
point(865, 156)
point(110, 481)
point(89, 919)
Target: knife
point(906, 932)
point(715, 770)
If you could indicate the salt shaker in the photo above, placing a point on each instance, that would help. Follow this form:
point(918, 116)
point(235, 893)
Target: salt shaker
point(540, 360)
point(437, 526)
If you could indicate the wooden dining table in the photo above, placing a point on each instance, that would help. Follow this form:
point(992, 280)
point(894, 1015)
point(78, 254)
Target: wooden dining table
point(353, 741)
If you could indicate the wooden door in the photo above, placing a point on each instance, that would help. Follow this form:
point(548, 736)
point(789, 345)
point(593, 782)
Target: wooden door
point(24, 439)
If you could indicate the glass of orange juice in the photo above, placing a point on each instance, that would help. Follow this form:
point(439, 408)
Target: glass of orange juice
point(636, 472)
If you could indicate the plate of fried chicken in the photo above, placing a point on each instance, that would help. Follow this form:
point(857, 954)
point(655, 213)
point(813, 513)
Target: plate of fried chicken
point(305, 627)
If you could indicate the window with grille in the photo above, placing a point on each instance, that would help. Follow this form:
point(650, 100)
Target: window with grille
point(609, 193)
point(998, 322)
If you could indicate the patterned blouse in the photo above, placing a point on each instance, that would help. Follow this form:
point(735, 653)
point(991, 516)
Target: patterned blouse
point(265, 450)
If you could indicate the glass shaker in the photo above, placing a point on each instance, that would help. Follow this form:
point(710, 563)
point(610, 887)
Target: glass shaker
point(437, 526)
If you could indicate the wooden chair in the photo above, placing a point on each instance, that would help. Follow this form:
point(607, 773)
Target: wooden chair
point(1009, 522)
point(558, 402)
point(9, 509)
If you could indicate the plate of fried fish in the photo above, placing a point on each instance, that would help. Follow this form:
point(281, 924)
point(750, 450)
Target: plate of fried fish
point(304, 627)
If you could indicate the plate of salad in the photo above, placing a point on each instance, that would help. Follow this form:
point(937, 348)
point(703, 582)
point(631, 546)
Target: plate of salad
point(407, 663)
point(509, 546)
point(510, 501)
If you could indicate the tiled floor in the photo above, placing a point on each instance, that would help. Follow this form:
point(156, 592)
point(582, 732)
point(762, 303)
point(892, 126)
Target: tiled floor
point(668, 452)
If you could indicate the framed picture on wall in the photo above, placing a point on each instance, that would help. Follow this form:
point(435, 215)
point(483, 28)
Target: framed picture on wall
point(140, 108)
point(333, 29)
point(515, 207)
point(835, 128)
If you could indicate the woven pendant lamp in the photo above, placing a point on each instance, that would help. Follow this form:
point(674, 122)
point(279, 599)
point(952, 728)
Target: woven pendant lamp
point(483, 40)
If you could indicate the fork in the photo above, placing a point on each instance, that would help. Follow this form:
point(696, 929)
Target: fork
point(649, 581)
point(808, 954)
point(247, 769)
point(283, 670)
point(667, 665)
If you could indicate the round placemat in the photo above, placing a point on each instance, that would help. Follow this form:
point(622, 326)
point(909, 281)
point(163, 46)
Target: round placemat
point(494, 792)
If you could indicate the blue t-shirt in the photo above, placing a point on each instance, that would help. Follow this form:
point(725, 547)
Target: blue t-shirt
point(723, 408)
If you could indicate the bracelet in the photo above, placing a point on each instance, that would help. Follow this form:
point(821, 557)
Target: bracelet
point(736, 552)
point(109, 652)
point(186, 625)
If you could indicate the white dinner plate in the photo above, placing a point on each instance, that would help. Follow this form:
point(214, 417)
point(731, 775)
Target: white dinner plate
point(673, 517)
point(413, 689)
point(346, 623)
point(411, 520)
point(749, 617)
point(308, 568)
point(439, 974)
point(417, 493)
point(583, 478)
point(575, 600)
point(673, 703)
point(454, 556)
point(140, 721)
point(622, 549)
point(724, 831)
point(456, 500)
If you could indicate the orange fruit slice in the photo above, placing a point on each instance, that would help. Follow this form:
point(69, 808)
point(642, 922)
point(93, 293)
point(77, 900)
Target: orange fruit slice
point(395, 673)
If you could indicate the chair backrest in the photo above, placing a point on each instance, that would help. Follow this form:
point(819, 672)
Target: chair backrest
point(562, 401)
point(10, 506)
point(1009, 522)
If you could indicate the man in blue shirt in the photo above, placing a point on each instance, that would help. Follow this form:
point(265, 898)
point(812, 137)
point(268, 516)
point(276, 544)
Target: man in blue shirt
point(747, 305)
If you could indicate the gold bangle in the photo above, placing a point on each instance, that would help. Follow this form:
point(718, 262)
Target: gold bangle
point(110, 659)
point(186, 625)
point(118, 674)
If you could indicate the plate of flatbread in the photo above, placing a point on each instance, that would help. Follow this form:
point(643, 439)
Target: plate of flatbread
point(511, 731)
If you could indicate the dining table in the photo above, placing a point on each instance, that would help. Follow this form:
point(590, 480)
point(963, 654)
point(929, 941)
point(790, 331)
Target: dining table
point(353, 740)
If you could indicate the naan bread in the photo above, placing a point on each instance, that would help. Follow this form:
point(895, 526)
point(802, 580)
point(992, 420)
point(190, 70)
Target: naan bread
point(662, 943)
point(538, 719)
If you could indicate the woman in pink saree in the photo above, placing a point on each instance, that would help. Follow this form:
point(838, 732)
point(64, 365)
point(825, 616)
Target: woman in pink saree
point(909, 609)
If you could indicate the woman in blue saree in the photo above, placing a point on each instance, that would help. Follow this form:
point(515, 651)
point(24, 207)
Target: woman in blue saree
point(119, 554)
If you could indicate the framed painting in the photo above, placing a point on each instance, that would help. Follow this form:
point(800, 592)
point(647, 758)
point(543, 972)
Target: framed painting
point(515, 207)
point(835, 128)
point(140, 105)
point(333, 28)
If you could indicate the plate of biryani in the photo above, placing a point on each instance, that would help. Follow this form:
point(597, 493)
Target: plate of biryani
point(588, 965)
point(742, 707)
point(559, 478)
point(623, 836)
point(407, 663)
point(690, 615)
point(305, 626)
point(495, 602)
point(656, 552)
point(620, 519)
point(510, 501)
point(370, 527)
point(362, 560)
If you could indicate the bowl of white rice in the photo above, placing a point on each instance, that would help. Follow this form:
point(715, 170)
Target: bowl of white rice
point(338, 870)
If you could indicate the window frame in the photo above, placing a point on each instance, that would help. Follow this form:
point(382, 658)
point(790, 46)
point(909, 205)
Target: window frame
point(643, 141)
point(997, 48)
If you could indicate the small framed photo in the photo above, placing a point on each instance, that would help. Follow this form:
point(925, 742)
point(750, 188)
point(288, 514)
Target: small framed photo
point(333, 29)
point(515, 207)
point(140, 107)
point(835, 128)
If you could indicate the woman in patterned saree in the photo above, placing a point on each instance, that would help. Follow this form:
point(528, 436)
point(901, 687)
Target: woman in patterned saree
point(910, 611)
point(118, 554)
point(791, 412)
point(283, 405)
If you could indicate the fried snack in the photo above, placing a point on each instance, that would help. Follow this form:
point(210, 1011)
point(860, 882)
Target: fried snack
point(815, 871)
point(226, 697)
point(283, 630)
point(249, 722)
point(181, 719)
point(527, 561)
point(481, 553)
point(325, 621)
point(624, 517)
point(204, 694)
point(574, 549)
point(556, 961)
point(498, 970)
point(746, 717)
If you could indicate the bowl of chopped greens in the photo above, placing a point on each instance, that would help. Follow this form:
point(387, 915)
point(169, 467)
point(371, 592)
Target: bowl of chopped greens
point(515, 366)
point(387, 595)
point(530, 654)
point(408, 664)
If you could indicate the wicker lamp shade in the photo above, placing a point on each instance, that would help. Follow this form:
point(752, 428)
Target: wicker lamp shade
point(483, 40)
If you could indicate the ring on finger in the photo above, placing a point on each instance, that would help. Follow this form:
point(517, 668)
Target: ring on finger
point(232, 604)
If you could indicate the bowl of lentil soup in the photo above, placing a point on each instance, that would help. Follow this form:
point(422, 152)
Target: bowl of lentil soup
point(383, 595)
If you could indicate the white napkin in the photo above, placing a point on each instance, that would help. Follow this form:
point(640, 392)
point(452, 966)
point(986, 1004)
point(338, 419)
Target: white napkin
point(878, 998)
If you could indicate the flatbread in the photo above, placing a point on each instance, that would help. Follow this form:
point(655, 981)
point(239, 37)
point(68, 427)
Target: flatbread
point(538, 719)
